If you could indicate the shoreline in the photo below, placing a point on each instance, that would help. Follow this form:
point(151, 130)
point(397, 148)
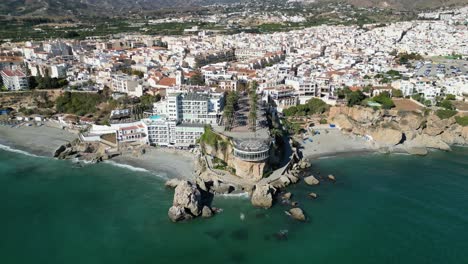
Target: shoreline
point(170, 164)
point(44, 140)
point(40, 141)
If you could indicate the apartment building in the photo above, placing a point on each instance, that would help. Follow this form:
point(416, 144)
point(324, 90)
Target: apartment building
point(122, 83)
point(14, 80)
point(180, 119)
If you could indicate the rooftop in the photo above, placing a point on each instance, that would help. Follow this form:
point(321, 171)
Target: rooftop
point(13, 73)
point(196, 97)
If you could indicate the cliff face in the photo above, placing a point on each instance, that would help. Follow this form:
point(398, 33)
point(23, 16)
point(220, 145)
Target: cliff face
point(252, 171)
point(392, 129)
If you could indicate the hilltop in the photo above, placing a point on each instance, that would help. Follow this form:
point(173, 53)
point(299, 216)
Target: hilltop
point(119, 7)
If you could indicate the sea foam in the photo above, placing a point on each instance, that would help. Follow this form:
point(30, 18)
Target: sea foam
point(126, 166)
point(136, 169)
point(244, 195)
point(10, 149)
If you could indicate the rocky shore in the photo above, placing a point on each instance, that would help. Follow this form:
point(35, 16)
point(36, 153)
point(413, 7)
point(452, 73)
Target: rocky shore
point(193, 198)
point(399, 131)
point(88, 151)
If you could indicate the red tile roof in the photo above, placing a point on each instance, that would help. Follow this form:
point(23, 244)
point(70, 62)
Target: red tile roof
point(166, 81)
point(14, 73)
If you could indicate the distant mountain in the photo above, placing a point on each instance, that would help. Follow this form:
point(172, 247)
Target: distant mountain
point(110, 7)
point(87, 7)
point(407, 4)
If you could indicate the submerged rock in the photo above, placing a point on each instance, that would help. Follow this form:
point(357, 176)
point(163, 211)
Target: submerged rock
point(281, 235)
point(421, 151)
point(311, 180)
point(297, 213)
point(206, 212)
point(287, 196)
point(177, 214)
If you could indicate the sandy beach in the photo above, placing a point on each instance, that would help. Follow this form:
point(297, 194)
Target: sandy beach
point(333, 143)
point(41, 140)
point(166, 162)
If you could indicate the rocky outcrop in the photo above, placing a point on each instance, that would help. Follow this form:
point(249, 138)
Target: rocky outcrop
point(282, 182)
point(427, 141)
point(386, 136)
point(391, 130)
point(172, 183)
point(311, 180)
point(93, 152)
point(313, 195)
point(263, 195)
point(189, 202)
point(252, 171)
point(420, 151)
point(297, 213)
point(286, 196)
point(293, 178)
point(249, 170)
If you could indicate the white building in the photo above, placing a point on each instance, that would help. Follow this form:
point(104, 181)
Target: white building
point(58, 71)
point(180, 119)
point(123, 84)
point(14, 80)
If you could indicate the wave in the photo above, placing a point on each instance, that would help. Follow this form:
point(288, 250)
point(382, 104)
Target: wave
point(126, 166)
point(244, 195)
point(327, 157)
point(136, 169)
point(10, 149)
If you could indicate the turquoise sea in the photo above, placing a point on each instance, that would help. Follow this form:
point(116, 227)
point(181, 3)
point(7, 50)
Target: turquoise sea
point(382, 209)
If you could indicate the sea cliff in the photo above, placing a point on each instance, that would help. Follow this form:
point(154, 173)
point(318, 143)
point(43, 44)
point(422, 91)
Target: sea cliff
point(393, 130)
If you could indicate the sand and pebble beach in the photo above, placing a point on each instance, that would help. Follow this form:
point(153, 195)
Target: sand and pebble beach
point(332, 142)
point(44, 140)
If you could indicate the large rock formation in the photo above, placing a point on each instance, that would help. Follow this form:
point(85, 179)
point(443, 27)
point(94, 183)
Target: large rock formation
point(187, 202)
point(263, 195)
point(386, 136)
point(247, 170)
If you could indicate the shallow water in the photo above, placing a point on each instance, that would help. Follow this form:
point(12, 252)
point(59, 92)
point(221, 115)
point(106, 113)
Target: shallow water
point(382, 209)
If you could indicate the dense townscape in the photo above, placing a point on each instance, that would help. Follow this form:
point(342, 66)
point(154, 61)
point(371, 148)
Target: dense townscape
point(241, 101)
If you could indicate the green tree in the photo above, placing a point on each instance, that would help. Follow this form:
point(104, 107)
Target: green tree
point(447, 104)
point(197, 79)
point(450, 97)
point(397, 93)
point(385, 100)
point(229, 109)
point(355, 98)
point(316, 106)
point(445, 114)
point(290, 111)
